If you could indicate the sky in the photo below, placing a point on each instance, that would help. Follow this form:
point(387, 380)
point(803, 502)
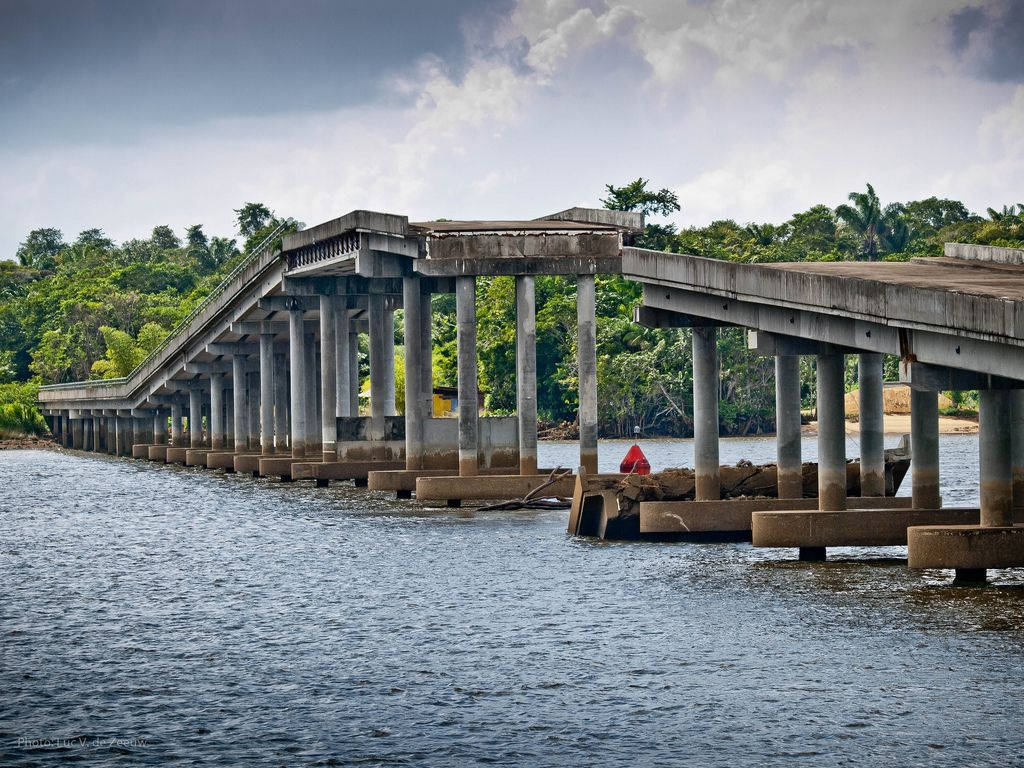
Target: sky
point(126, 115)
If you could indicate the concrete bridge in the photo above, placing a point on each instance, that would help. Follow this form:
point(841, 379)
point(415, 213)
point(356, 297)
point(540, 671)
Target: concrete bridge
point(955, 322)
point(270, 360)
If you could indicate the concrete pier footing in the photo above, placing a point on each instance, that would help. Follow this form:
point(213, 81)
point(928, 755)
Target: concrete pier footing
point(453, 489)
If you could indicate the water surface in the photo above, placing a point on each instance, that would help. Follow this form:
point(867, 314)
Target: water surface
point(219, 620)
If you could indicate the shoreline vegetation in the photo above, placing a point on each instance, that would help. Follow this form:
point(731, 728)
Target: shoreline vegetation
point(93, 308)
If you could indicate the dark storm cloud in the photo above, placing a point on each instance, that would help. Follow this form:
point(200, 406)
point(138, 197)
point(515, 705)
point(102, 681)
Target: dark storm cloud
point(75, 69)
point(990, 40)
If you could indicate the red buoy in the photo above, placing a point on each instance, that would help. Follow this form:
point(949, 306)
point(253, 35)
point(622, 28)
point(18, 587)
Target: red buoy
point(635, 462)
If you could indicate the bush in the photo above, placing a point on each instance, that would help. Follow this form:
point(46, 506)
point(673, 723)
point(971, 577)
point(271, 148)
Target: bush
point(19, 420)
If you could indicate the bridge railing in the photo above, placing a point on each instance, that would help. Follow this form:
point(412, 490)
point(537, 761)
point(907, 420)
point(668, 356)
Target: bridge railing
point(178, 329)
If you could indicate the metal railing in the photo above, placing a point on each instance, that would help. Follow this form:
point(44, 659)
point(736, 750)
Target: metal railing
point(215, 294)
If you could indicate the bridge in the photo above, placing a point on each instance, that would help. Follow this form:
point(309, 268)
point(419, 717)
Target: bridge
point(270, 360)
point(956, 322)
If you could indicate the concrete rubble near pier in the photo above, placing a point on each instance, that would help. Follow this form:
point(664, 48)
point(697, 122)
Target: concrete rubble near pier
point(269, 363)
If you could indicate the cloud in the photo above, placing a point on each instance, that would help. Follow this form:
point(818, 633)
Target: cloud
point(989, 40)
point(749, 110)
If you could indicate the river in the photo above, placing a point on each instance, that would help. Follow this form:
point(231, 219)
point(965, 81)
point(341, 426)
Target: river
point(155, 615)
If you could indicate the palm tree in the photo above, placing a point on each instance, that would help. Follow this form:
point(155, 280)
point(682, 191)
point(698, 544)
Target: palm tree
point(252, 217)
point(865, 218)
point(1007, 212)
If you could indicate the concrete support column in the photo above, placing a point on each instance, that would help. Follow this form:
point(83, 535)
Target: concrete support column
point(97, 434)
point(267, 393)
point(872, 427)
point(586, 362)
point(831, 434)
point(427, 359)
point(312, 398)
point(238, 405)
point(526, 372)
point(390, 408)
point(112, 435)
point(195, 418)
point(280, 403)
point(353, 371)
point(706, 384)
point(465, 318)
point(177, 434)
point(378, 366)
point(77, 433)
point(1017, 441)
point(414, 416)
point(924, 449)
point(329, 376)
point(160, 428)
point(787, 427)
point(217, 411)
point(86, 434)
point(297, 366)
point(121, 446)
point(995, 414)
point(342, 362)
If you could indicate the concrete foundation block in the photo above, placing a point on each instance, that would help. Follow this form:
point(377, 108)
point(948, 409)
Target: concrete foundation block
point(965, 547)
point(733, 515)
point(157, 453)
point(489, 487)
point(247, 463)
point(352, 470)
point(885, 527)
point(404, 480)
point(196, 457)
point(276, 466)
point(177, 455)
point(141, 450)
point(221, 460)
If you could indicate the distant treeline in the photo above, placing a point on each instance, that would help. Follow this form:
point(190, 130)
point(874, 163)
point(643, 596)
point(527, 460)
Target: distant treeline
point(94, 308)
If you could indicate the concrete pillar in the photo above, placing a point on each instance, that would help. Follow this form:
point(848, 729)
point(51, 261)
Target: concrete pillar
point(252, 400)
point(329, 376)
point(995, 414)
point(353, 372)
point(787, 427)
point(78, 433)
point(229, 415)
point(312, 398)
point(586, 362)
point(97, 434)
point(414, 414)
point(390, 409)
point(280, 403)
point(872, 427)
point(297, 366)
point(526, 373)
point(121, 446)
point(238, 405)
point(706, 384)
point(112, 435)
point(378, 366)
point(160, 428)
point(427, 358)
point(217, 411)
point(195, 417)
point(831, 433)
point(342, 361)
point(924, 449)
point(86, 434)
point(267, 393)
point(465, 314)
point(1017, 452)
point(177, 434)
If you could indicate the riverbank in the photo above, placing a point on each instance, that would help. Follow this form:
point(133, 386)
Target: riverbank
point(899, 424)
point(28, 442)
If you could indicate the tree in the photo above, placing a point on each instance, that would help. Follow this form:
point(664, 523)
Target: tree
point(195, 238)
point(251, 218)
point(40, 248)
point(636, 197)
point(864, 217)
point(163, 237)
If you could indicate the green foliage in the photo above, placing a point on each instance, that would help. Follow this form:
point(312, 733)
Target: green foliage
point(18, 420)
point(123, 352)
